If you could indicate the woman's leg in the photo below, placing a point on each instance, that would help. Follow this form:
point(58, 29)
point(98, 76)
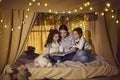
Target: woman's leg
point(54, 59)
point(68, 56)
point(83, 56)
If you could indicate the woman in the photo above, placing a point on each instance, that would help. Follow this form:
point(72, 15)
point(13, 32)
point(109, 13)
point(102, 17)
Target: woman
point(84, 53)
point(67, 41)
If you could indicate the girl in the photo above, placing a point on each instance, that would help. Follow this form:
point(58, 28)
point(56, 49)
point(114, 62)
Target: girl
point(53, 48)
point(84, 48)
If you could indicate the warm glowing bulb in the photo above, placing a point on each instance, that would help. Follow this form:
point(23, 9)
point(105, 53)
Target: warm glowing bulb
point(113, 16)
point(5, 26)
point(12, 29)
point(23, 22)
point(50, 10)
point(45, 4)
point(75, 10)
point(85, 4)
point(33, 0)
point(19, 27)
point(56, 12)
point(106, 9)
point(91, 8)
point(88, 3)
point(112, 10)
point(1, 20)
point(38, 3)
point(26, 16)
point(96, 13)
point(0, 0)
point(108, 4)
point(117, 21)
point(28, 9)
point(69, 12)
point(30, 4)
point(63, 12)
point(102, 13)
point(81, 8)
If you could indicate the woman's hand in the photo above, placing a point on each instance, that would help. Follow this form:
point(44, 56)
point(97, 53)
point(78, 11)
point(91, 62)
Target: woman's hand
point(70, 46)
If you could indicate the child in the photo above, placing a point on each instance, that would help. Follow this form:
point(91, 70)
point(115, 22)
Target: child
point(53, 47)
point(84, 48)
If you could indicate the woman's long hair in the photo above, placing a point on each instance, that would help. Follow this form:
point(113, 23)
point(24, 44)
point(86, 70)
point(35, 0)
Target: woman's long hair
point(51, 35)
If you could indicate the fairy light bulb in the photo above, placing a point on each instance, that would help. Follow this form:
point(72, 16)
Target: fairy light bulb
point(108, 4)
point(33, 0)
point(91, 8)
point(12, 29)
point(28, 9)
point(50, 10)
point(1, 20)
point(30, 4)
point(112, 10)
point(26, 16)
point(117, 21)
point(45, 4)
point(0, 0)
point(56, 12)
point(88, 3)
point(5, 26)
point(113, 16)
point(63, 12)
point(75, 10)
point(19, 27)
point(102, 14)
point(96, 13)
point(85, 4)
point(106, 9)
point(69, 12)
point(81, 8)
point(38, 3)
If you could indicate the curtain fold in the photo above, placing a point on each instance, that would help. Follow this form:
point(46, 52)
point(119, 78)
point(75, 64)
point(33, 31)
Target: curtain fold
point(15, 34)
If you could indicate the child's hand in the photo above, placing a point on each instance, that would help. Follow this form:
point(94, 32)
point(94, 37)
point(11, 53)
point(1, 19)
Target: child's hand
point(70, 46)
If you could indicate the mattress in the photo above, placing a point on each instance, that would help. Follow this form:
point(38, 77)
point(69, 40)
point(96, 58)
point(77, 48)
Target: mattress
point(73, 70)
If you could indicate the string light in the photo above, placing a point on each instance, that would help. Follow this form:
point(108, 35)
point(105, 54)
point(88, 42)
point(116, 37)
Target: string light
point(50, 10)
point(0, 0)
point(19, 27)
point(81, 8)
point(112, 10)
point(30, 4)
point(56, 12)
point(1, 20)
point(45, 4)
point(91, 8)
point(26, 16)
point(38, 3)
point(23, 22)
point(96, 13)
point(85, 4)
point(12, 29)
point(102, 14)
point(75, 10)
point(28, 9)
point(106, 9)
point(69, 12)
point(5, 26)
point(33, 0)
point(88, 3)
point(108, 4)
point(117, 21)
point(63, 12)
point(113, 16)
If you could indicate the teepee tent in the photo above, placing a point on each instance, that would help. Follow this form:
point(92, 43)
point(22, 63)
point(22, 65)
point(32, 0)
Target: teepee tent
point(17, 18)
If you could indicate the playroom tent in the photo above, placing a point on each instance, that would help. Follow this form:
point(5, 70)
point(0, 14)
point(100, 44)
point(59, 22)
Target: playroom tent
point(15, 27)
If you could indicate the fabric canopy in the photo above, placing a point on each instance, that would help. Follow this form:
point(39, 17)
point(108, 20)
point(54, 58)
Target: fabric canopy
point(105, 34)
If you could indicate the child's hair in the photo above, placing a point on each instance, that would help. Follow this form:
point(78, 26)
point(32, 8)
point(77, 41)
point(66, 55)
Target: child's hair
point(51, 35)
point(78, 30)
point(64, 27)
